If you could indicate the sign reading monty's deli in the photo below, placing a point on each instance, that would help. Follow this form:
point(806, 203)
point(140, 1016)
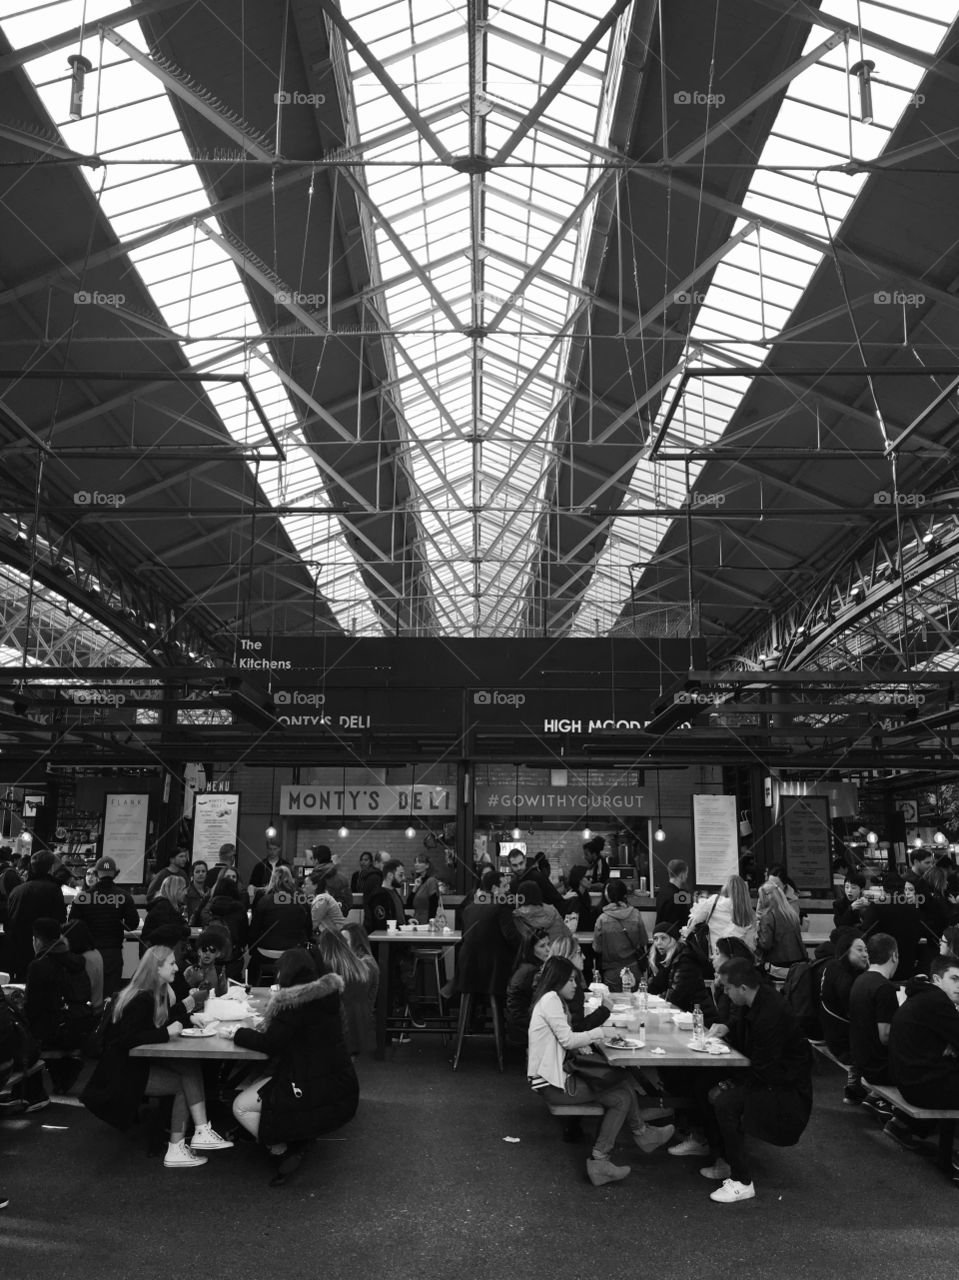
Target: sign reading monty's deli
point(366, 802)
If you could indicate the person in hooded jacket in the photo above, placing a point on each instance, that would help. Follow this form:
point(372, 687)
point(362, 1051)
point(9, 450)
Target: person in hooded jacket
point(313, 1088)
point(663, 951)
point(691, 970)
point(619, 937)
point(535, 916)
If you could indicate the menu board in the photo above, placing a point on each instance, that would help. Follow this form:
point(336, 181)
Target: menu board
point(807, 841)
point(715, 838)
point(216, 819)
point(125, 835)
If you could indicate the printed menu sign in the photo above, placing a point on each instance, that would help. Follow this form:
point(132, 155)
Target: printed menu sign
point(216, 817)
point(125, 835)
point(715, 838)
point(807, 839)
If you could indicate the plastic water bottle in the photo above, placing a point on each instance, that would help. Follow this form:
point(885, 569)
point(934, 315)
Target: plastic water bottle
point(699, 1026)
point(643, 992)
point(439, 920)
point(628, 981)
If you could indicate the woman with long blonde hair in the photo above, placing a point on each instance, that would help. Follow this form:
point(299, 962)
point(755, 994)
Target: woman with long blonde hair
point(147, 1012)
point(779, 938)
point(728, 914)
point(361, 978)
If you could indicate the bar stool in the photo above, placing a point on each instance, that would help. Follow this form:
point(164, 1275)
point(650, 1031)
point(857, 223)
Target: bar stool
point(434, 954)
point(466, 1008)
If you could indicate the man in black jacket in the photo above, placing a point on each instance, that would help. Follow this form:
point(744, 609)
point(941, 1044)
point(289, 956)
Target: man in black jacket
point(770, 1099)
point(924, 1039)
point(39, 896)
point(521, 869)
point(673, 900)
point(57, 1003)
point(107, 911)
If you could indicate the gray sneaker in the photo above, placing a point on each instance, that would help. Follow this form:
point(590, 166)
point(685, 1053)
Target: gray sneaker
point(600, 1172)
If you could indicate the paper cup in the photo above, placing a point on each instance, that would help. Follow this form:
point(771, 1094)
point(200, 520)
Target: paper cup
point(391, 926)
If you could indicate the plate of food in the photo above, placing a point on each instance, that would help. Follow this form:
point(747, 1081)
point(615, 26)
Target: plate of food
point(198, 1033)
point(715, 1047)
point(624, 1042)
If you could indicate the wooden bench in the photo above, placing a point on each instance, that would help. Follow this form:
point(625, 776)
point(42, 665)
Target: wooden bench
point(947, 1120)
point(566, 1109)
point(822, 1048)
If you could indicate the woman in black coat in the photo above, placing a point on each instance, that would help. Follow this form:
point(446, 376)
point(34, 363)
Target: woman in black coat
point(313, 1088)
point(579, 902)
point(485, 958)
point(145, 1012)
point(164, 925)
point(280, 922)
point(227, 909)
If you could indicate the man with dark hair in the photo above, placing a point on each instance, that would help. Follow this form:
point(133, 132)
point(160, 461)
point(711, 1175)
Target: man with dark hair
point(179, 861)
point(597, 864)
point(770, 1099)
point(328, 878)
point(872, 1003)
point(107, 911)
point(383, 905)
point(522, 869)
point(924, 1039)
point(264, 869)
point(895, 910)
point(39, 896)
point(673, 899)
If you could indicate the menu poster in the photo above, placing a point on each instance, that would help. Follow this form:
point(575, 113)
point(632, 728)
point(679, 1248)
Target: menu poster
point(715, 838)
point(807, 841)
point(216, 819)
point(125, 835)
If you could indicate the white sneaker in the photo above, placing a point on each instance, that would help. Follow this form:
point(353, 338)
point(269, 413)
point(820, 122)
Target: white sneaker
point(179, 1156)
point(690, 1146)
point(206, 1138)
point(731, 1192)
point(717, 1172)
point(653, 1137)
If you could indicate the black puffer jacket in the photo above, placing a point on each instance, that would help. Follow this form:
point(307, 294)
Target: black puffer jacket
point(303, 1031)
point(688, 975)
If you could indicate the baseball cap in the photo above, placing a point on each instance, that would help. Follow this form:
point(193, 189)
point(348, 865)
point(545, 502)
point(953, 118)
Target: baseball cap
point(105, 865)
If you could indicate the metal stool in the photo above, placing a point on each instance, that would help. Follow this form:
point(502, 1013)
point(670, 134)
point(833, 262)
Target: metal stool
point(466, 1008)
point(435, 954)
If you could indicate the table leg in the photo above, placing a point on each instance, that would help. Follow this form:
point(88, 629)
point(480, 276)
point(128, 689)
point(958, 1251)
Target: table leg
point(382, 999)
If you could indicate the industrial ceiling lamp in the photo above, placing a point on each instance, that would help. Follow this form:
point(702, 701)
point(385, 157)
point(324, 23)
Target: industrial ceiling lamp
point(863, 71)
point(587, 829)
point(659, 835)
point(917, 841)
point(343, 831)
point(410, 831)
point(939, 838)
point(271, 833)
point(516, 833)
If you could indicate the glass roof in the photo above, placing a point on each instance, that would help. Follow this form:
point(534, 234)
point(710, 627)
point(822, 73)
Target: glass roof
point(480, 269)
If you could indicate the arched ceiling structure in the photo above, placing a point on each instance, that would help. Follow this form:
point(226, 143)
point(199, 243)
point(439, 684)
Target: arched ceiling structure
point(470, 319)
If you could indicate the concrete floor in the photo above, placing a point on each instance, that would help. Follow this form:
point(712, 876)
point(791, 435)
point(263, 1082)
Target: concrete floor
point(423, 1183)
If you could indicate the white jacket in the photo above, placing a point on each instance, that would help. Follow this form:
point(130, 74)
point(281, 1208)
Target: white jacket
point(550, 1035)
point(721, 923)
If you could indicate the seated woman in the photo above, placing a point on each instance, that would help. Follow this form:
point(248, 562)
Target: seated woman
point(313, 1088)
point(689, 974)
point(844, 914)
point(779, 940)
point(578, 901)
point(619, 937)
point(145, 1012)
point(569, 949)
point(325, 911)
point(550, 1038)
point(532, 955)
point(280, 921)
point(361, 978)
point(227, 909)
point(207, 973)
point(165, 924)
point(850, 960)
point(532, 916)
point(661, 957)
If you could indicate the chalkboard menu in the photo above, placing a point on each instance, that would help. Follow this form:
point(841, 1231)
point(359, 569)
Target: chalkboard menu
point(807, 841)
point(715, 838)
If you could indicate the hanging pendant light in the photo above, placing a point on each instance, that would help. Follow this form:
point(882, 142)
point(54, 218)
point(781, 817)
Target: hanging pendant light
point(516, 833)
point(659, 835)
point(410, 831)
point(587, 829)
point(343, 830)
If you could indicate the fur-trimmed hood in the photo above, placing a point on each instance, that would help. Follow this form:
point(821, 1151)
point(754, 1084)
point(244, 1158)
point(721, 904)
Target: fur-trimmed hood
point(304, 993)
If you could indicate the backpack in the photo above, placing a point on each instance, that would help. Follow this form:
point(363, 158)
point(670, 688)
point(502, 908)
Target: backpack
point(76, 1017)
point(801, 992)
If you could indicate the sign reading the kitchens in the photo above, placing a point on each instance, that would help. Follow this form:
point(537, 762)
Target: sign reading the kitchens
point(370, 802)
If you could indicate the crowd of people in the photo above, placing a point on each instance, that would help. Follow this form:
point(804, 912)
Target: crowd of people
point(721, 953)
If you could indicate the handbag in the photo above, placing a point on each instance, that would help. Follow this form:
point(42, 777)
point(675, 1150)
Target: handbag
point(598, 1074)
